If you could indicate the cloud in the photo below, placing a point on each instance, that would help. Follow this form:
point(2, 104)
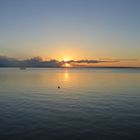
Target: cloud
point(33, 62)
point(91, 61)
point(38, 62)
point(8, 62)
point(108, 59)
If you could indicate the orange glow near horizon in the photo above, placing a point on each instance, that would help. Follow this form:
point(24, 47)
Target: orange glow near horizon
point(67, 65)
point(67, 54)
point(66, 59)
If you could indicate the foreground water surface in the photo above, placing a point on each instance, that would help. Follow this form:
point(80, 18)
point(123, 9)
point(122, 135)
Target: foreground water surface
point(92, 104)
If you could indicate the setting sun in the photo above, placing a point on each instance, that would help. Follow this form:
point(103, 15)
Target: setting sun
point(65, 60)
point(67, 65)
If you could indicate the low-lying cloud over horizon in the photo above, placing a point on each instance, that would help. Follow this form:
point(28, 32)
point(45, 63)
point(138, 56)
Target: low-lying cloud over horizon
point(39, 62)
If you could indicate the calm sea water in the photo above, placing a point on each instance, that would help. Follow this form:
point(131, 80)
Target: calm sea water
point(92, 104)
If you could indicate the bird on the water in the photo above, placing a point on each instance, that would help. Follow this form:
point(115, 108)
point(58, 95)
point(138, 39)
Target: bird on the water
point(58, 86)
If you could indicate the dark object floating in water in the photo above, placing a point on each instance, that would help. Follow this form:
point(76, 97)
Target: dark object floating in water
point(22, 68)
point(58, 86)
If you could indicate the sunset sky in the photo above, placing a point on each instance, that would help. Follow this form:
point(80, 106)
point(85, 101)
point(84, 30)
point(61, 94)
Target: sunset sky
point(71, 29)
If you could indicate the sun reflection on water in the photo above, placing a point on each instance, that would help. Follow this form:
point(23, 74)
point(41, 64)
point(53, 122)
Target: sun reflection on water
point(66, 75)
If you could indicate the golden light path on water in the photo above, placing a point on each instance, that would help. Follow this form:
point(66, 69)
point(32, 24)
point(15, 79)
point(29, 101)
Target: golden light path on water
point(66, 75)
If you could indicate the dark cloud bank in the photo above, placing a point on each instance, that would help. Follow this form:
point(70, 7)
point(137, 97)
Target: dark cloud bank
point(33, 62)
point(38, 62)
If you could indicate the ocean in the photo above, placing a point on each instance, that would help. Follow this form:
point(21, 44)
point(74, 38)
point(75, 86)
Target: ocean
point(91, 104)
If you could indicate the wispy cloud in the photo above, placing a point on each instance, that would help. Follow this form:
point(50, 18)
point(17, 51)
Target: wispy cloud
point(91, 61)
point(109, 59)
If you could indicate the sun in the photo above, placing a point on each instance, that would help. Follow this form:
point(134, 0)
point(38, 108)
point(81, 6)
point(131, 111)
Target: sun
point(65, 60)
point(66, 65)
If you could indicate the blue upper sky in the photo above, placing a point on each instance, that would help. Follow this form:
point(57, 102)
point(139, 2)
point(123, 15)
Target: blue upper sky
point(60, 28)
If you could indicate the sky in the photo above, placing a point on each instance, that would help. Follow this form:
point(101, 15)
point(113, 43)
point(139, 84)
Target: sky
point(71, 29)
